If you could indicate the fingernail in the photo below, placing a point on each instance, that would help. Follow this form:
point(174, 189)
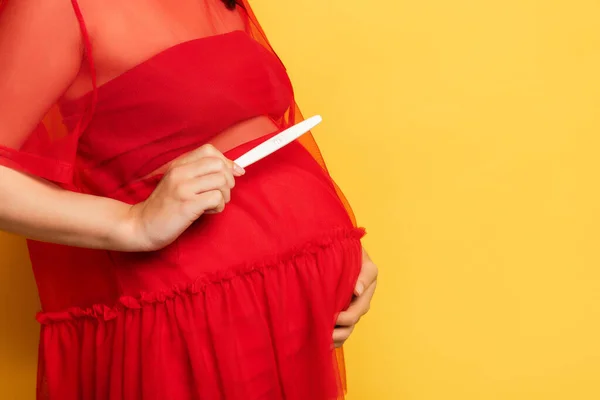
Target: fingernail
point(237, 170)
point(360, 288)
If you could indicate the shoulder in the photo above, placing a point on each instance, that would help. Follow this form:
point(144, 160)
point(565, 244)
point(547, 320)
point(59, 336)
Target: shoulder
point(41, 50)
point(52, 21)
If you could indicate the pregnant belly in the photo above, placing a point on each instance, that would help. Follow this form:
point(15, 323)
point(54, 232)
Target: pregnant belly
point(282, 203)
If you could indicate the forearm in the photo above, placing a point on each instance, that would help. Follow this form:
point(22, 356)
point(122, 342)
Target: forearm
point(39, 210)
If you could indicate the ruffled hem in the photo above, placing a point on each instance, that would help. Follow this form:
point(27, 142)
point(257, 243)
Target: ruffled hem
point(262, 330)
point(107, 313)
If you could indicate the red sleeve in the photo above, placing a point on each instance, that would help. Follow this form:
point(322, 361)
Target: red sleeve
point(41, 51)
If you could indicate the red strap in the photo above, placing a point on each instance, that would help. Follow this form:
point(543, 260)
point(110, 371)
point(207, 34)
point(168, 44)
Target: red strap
point(85, 120)
point(88, 53)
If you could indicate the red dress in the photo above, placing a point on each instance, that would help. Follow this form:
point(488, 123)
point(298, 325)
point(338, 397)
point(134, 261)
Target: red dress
point(240, 307)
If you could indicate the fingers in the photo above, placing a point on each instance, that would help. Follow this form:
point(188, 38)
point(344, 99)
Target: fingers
point(217, 181)
point(347, 320)
point(340, 335)
point(210, 192)
point(359, 307)
point(364, 290)
point(208, 151)
point(368, 275)
point(212, 202)
point(203, 184)
point(182, 174)
point(199, 176)
point(204, 166)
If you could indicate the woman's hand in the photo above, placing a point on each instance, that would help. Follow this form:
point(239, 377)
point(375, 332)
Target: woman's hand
point(197, 183)
point(364, 291)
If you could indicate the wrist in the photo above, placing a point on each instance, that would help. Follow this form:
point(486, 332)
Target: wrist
point(126, 234)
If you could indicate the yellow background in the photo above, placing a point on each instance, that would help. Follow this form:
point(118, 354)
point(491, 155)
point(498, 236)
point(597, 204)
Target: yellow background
point(465, 134)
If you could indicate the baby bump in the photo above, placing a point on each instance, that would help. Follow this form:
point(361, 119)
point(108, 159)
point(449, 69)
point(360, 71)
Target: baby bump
point(284, 204)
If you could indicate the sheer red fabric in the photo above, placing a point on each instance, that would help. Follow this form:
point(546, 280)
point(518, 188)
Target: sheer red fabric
point(243, 304)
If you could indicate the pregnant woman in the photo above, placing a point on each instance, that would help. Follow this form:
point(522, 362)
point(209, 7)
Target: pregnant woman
point(164, 270)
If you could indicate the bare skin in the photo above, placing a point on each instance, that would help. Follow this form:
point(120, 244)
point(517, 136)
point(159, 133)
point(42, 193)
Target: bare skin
point(199, 182)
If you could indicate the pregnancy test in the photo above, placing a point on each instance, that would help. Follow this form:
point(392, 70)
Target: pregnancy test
point(278, 141)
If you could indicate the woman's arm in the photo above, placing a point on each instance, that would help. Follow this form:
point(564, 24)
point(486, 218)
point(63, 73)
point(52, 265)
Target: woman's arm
point(40, 56)
point(39, 210)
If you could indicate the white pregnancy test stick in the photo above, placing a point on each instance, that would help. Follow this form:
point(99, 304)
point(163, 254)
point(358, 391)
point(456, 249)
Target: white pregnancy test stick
point(278, 141)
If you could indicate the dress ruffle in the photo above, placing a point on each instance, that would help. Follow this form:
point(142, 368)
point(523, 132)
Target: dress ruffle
point(107, 313)
point(260, 331)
